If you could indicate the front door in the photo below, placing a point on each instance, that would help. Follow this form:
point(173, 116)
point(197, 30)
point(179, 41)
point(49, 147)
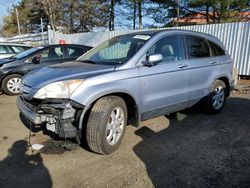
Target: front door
point(164, 86)
point(48, 56)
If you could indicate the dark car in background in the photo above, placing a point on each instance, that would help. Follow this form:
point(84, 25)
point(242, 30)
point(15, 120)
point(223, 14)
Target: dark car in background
point(13, 68)
point(9, 49)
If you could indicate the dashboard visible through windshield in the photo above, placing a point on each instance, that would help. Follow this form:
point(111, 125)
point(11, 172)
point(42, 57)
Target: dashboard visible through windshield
point(117, 50)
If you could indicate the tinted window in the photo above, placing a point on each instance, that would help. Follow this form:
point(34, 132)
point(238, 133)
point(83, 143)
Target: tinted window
point(51, 54)
point(74, 52)
point(197, 47)
point(169, 48)
point(216, 50)
point(48, 54)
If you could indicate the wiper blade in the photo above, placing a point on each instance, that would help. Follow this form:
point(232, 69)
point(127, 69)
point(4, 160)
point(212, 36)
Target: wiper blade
point(88, 61)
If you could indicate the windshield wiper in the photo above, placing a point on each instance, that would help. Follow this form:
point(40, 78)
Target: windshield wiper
point(88, 61)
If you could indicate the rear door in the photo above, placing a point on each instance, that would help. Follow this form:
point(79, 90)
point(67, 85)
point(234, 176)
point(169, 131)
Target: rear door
point(203, 67)
point(164, 86)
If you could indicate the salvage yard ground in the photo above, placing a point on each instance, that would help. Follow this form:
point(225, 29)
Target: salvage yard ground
point(198, 151)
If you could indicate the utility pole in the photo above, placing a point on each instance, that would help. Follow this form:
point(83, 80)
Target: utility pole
point(42, 30)
point(178, 13)
point(18, 24)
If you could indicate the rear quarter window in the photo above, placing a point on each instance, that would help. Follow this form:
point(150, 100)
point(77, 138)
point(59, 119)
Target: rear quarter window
point(197, 47)
point(216, 50)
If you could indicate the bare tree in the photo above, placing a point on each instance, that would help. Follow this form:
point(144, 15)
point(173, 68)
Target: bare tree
point(53, 11)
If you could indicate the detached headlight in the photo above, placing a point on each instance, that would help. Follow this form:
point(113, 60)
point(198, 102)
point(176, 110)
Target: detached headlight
point(62, 89)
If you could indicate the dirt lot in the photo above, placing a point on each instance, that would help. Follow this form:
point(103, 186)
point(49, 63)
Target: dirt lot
point(197, 151)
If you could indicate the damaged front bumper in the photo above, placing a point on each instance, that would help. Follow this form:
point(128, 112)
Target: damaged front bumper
point(59, 115)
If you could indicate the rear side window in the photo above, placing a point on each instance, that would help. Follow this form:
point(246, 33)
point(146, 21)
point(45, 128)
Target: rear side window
point(169, 47)
point(197, 47)
point(216, 50)
point(74, 52)
point(5, 49)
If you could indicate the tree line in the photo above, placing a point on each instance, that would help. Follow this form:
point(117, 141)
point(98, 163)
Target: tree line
point(72, 16)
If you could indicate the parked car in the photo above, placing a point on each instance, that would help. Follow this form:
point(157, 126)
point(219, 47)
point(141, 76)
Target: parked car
point(13, 68)
point(126, 80)
point(10, 49)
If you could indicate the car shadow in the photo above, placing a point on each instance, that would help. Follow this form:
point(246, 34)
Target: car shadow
point(200, 150)
point(22, 169)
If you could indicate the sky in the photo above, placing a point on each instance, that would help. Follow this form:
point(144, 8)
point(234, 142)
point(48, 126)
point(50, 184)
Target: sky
point(5, 4)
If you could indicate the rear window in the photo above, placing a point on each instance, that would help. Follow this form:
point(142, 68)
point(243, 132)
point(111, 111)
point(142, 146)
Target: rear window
point(197, 47)
point(216, 50)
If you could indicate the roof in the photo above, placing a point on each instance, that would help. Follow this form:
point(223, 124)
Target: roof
point(55, 45)
point(14, 44)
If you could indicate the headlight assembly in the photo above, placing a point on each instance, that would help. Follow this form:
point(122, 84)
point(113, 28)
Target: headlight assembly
point(61, 89)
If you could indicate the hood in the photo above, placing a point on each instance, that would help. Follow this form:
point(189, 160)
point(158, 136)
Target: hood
point(64, 71)
point(7, 60)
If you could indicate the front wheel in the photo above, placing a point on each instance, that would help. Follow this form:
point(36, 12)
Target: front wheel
point(216, 100)
point(11, 84)
point(106, 124)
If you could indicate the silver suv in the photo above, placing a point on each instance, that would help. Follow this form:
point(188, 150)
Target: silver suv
point(126, 80)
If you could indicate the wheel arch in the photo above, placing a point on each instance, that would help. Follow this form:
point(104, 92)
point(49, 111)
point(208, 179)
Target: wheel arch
point(8, 74)
point(132, 107)
point(226, 81)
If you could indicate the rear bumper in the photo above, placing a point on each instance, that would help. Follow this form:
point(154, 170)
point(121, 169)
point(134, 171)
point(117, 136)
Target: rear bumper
point(29, 113)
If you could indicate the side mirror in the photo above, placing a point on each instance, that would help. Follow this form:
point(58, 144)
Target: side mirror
point(36, 60)
point(153, 59)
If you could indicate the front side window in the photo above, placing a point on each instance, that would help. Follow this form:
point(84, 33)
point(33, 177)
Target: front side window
point(216, 50)
point(169, 47)
point(117, 50)
point(28, 52)
point(197, 47)
point(51, 54)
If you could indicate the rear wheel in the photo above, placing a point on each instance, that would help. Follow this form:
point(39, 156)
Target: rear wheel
point(11, 84)
point(216, 100)
point(106, 124)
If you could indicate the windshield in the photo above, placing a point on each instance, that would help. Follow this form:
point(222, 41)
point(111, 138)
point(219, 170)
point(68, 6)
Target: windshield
point(117, 50)
point(27, 52)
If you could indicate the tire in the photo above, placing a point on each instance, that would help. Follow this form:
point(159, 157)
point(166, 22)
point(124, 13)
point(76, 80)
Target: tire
point(216, 100)
point(102, 136)
point(10, 84)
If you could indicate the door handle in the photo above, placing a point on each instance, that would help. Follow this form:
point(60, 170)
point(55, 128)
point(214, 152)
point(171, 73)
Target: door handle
point(212, 62)
point(182, 66)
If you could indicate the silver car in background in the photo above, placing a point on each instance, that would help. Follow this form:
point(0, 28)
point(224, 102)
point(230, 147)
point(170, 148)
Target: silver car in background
point(8, 49)
point(125, 80)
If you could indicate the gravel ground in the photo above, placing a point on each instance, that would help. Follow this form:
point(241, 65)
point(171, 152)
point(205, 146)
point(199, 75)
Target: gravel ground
point(191, 149)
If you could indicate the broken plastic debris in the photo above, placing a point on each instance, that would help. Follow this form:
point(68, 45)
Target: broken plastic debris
point(180, 116)
point(37, 146)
